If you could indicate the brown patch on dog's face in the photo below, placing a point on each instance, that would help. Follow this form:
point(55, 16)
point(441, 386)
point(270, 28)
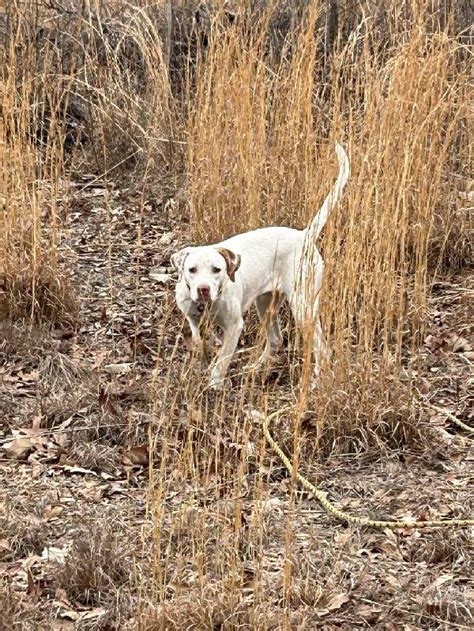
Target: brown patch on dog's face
point(178, 258)
point(232, 261)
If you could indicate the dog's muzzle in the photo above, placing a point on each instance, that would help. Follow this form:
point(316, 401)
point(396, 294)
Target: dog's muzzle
point(204, 299)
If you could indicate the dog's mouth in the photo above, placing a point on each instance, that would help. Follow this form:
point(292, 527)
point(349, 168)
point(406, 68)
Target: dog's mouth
point(203, 300)
point(202, 304)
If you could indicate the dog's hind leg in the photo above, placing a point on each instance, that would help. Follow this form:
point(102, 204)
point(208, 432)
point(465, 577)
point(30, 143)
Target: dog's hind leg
point(267, 309)
point(320, 349)
point(306, 314)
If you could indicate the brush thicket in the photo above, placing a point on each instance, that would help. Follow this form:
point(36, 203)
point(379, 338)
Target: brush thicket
point(261, 152)
point(251, 123)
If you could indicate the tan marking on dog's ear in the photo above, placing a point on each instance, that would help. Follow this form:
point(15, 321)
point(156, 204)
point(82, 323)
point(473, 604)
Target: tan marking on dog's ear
point(177, 259)
point(232, 261)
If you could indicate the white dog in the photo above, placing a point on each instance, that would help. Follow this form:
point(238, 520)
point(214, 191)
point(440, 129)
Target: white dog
point(263, 267)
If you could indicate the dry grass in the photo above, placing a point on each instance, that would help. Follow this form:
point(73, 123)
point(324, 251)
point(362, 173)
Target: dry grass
point(260, 152)
point(33, 284)
point(248, 122)
point(95, 566)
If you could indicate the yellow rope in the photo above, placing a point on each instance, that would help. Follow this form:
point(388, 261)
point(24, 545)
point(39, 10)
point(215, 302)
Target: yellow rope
point(341, 515)
point(452, 418)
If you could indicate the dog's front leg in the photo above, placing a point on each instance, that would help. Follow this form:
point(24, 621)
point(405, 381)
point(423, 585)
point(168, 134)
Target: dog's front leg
point(231, 337)
point(195, 332)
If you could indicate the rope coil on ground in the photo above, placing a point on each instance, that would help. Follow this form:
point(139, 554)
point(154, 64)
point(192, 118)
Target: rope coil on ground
point(452, 418)
point(342, 516)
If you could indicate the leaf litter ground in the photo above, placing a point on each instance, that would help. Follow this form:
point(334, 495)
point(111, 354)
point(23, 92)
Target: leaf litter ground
point(77, 544)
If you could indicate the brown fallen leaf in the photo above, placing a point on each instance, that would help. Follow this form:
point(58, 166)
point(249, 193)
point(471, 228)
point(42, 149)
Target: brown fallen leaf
point(116, 488)
point(52, 511)
point(33, 589)
point(369, 613)
point(136, 456)
point(19, 448)
point(5, 549)
point(433, 342)
point(91, 489)
point(390, 549)
point(342, 537)
point(449, 341)
point(62, 625)
point(456, 343)
point(337, 601)
point(394, 581)
point(61, 598)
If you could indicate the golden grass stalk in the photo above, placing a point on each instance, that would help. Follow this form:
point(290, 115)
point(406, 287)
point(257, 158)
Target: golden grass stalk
point(260, 127)
point(261, 152)
point(31, 283)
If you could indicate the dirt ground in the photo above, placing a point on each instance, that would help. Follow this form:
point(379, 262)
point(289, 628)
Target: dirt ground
point(77, 542)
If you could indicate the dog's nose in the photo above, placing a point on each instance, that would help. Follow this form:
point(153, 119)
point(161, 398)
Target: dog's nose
point(204, 292)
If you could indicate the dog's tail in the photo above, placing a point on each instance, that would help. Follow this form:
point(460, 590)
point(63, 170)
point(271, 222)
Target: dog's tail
point(321, 218)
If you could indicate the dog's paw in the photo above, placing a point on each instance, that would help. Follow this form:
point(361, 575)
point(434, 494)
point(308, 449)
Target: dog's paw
point(216, 386)
point(216, 381)
point(257, 366)
point(264, 362)
point(314, 383)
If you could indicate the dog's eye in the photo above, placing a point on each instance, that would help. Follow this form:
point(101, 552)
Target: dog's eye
point(216, 270)
point(192, 270)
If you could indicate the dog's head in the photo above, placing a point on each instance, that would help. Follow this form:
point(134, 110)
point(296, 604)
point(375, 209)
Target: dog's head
point(205, 270)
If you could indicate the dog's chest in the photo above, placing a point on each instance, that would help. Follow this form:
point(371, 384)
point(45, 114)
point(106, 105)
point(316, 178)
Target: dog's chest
point(202, 311)
point(197, 311)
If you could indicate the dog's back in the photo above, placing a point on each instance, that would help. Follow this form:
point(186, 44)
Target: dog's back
point(268, 257)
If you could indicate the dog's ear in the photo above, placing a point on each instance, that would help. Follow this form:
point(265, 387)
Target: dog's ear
point(232, 261)
point(177, 259)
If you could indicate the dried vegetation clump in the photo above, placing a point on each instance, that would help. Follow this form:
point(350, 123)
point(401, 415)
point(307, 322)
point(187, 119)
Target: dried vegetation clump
point(95, 567)
point(133, 496)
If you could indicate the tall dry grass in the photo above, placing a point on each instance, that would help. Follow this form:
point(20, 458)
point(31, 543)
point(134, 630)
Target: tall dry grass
point(32, 158)
point(253, 127)
point(261, 152)
point(85, 90)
